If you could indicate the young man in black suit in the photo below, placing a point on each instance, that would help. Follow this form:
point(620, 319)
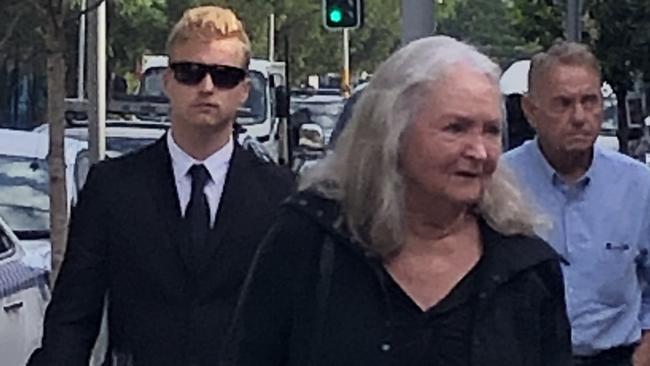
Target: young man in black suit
point(166, 234)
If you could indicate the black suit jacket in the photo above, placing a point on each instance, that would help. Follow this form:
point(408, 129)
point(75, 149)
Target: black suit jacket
point(124, 240)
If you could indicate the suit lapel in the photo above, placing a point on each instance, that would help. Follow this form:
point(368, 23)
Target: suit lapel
point(162, 188)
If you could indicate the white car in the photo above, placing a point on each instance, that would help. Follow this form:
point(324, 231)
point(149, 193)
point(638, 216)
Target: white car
point(121, 136)
point(23, 296)
point(24, 188)
point(324, 110)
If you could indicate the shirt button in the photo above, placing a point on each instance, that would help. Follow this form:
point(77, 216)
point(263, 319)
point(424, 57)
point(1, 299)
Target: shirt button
point(482, 295)
point(385, 347)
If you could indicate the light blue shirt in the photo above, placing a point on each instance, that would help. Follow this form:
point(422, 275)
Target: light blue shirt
point(601, 226)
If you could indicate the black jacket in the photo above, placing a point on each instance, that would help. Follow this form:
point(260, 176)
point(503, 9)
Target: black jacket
point(310, 300)
point(124, 241)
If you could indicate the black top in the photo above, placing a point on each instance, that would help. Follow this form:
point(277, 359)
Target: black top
point(443, 333)
point(306, 305)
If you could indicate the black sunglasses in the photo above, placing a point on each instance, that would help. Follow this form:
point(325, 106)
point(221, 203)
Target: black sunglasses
point(192, 73)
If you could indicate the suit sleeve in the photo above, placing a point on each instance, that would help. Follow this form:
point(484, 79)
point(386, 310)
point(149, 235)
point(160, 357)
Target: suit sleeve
point(556, 330)
point(264, 316)
point(74, 314)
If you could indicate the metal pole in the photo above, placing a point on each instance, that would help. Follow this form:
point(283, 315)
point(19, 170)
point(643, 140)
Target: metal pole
point(345, 80)
point(97, 82)
point(81, 57)
point(272, 37)
point(573, 20)
point(418, 19)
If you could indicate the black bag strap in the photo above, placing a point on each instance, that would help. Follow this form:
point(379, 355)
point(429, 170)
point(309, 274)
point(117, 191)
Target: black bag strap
point(326, 269)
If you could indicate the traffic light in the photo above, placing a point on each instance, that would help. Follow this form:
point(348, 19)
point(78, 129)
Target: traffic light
point(338, 14)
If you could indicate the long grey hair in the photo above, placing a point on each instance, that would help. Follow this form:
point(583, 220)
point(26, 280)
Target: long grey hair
point(362, 173)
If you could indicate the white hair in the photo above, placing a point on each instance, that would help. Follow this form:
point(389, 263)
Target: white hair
point(362, 172)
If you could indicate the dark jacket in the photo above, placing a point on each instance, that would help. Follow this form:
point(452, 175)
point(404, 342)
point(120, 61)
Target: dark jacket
point(124, 243)
point(310, 300)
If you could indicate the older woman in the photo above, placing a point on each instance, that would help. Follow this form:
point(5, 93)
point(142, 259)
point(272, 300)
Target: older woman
point(407, 246)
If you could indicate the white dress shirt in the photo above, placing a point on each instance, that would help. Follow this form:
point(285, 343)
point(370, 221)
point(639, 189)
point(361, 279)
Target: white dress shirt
point(217, 165)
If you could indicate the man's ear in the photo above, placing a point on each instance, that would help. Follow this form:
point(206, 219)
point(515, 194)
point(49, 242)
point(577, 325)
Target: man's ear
point(529, 108)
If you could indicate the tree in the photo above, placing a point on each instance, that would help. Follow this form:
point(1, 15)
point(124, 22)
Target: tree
point(44, 23)
point(539, 21)
point(620, 36)
point(491, 25)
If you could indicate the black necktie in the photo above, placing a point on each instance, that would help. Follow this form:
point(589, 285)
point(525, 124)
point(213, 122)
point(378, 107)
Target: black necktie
point(197, 216)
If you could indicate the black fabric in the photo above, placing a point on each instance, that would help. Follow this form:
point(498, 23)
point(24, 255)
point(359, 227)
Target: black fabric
point(518, 318)
point(442, 334)
point(197, 216)
point(124, 239)
point(617, 356)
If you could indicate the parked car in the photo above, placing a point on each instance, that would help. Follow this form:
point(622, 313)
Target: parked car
point(122, 137)
point(23, 296)
point(24, 188)
point(323, 110)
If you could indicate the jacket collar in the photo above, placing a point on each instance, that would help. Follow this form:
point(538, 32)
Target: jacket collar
point(504, 256)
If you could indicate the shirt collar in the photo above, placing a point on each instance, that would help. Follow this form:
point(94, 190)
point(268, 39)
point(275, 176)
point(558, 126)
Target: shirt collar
point(552, 176)
point(215, 163)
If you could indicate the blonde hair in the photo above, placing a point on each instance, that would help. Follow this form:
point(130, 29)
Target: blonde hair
point(362, 173)
point(208, 23)
point(562, 53)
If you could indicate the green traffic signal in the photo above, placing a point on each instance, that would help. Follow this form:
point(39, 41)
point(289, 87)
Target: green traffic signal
point(335, 15)
point(342, 14)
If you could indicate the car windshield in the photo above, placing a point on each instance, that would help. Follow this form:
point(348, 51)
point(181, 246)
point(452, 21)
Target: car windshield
point(323, 114)
point(253, 111)
point(124, 145)
point(24, 200)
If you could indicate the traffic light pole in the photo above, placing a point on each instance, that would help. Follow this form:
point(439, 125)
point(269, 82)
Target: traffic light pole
point(418, 19)
point(573, 23)
point(345, 80)
point(97, 81)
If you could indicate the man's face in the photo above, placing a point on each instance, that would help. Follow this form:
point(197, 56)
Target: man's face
point(566, 108)
point(204, 105)
point(451, 149)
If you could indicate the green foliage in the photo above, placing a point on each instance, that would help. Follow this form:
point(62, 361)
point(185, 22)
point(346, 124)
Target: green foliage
point(491, 25)
point(137, 26)
point(539, 21)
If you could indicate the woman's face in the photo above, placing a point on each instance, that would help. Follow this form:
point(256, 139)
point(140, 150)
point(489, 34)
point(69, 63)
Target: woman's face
point(452, 147)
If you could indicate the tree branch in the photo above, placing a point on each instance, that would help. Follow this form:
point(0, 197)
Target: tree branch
point(10, 29)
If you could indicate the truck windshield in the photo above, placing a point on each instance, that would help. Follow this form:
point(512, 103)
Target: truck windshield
point(252, 112)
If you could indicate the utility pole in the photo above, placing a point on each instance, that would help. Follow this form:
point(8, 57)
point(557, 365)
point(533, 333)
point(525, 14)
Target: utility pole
point(418, 19)
point(574, 20)
point(81, 56)
point(272, 37)
point(345, 79)
point(97, 81)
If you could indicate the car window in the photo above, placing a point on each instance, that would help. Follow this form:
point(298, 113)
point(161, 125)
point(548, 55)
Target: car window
point(24, 200)
point(254, 109)
point(124, 145)
point(6, 245)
